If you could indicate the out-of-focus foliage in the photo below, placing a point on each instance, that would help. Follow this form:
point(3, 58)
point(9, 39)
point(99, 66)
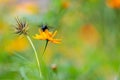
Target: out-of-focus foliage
point(90, 33)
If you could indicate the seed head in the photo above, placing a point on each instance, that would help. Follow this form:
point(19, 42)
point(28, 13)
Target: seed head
point(21, 27)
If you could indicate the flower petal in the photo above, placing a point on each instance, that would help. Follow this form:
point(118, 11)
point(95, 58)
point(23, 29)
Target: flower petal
point(48, 33)
point(54, 34)
point(39, 37)
point(56, 41)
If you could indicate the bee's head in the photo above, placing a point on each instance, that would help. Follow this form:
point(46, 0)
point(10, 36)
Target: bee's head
point(44, 27)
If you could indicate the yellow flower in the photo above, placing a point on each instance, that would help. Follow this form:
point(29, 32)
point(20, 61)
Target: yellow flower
point(17, 45)
point(46, 35)
point(6, 1)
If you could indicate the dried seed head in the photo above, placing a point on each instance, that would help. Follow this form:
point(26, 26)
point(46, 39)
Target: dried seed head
point(21, 27)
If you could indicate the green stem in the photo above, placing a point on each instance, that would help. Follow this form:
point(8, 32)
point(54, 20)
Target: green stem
point(36, 55)
point(45, 47)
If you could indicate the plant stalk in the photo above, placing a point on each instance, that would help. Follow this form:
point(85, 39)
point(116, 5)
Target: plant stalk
point(36, 55)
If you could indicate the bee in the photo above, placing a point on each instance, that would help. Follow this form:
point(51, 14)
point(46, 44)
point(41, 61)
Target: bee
point(44, 27)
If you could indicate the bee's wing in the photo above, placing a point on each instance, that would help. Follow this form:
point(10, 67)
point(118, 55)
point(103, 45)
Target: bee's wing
point(49, 27)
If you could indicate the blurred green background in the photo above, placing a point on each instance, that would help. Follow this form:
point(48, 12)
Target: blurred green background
point(90, 33)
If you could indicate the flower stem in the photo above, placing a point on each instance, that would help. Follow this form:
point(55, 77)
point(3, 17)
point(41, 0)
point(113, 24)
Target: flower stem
point(36, 55)
point(45, 47)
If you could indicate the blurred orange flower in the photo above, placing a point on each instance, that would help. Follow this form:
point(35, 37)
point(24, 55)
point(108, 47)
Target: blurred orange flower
point(26, 8)
point(46, 35)
point(17, 45)
point(65, 4)
point(89, 34)
point(113, 3)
